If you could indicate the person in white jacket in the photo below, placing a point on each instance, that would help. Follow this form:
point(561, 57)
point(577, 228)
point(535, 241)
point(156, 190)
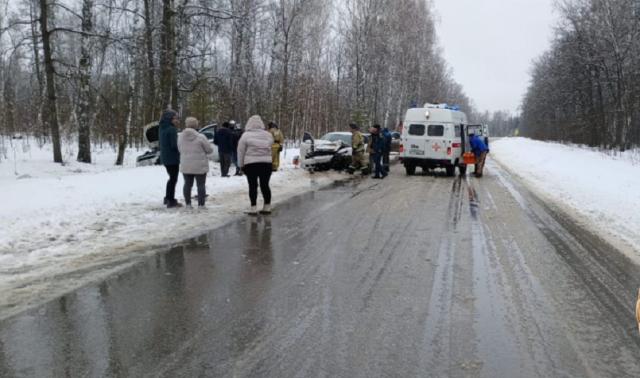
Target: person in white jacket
point(194, 163)
point(254, 158)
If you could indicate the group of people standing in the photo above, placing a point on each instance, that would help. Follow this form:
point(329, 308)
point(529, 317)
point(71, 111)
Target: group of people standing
point(379, 148)
point(254, 151)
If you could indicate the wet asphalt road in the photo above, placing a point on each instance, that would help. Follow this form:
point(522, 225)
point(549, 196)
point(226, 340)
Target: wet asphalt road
point(423, 276)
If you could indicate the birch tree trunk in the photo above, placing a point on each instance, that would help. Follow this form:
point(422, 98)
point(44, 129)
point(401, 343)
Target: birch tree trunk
point(84, 109)
point(51, 120)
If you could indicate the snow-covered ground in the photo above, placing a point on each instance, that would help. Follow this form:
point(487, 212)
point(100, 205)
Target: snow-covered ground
point(59, 222)
point(600, 188)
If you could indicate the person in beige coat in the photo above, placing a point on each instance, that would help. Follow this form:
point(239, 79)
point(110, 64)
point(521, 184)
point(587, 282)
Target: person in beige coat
point(276, 147)
point(194, 163)
point(254, 158)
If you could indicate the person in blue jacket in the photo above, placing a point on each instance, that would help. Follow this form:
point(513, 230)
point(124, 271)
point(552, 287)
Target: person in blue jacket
point(479, 149)
point(376, 148)
point(169, 154)
point(386, 150)
point(224, 140)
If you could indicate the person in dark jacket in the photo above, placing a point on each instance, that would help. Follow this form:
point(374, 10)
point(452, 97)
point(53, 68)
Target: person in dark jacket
point(386, 151)
point(224, 140)
point(376, 147)
point(480, 150)
point(169, 154)
point(236, 133)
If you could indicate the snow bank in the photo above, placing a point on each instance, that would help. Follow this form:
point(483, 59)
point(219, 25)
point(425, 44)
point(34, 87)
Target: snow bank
point(600, 187)
point(59, 222)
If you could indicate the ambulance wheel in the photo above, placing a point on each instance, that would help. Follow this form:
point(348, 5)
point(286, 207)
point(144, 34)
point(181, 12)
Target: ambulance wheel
point(462, 169)
point(410, 169)
point(451, 170)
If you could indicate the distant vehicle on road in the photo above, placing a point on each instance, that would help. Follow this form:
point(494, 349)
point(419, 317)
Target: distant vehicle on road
point(480, 130)
point(395, 141)
point(434, 136)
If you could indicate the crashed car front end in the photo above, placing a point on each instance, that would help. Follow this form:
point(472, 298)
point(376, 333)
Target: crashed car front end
point(325, 155)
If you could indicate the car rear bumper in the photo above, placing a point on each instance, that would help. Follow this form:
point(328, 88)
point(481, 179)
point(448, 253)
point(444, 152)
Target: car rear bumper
point(432, 163)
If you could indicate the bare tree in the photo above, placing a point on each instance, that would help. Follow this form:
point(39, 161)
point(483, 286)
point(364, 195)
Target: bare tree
point(84, 109)
point(51, 101)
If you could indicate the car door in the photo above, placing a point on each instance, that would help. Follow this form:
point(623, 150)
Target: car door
point(414, 145)
point(435, 145)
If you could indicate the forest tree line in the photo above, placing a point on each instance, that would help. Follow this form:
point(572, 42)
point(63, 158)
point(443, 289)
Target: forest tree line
point(99, 70)
point(586, 88)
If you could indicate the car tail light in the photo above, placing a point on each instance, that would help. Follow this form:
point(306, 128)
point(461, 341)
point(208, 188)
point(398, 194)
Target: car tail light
point(401, 148)
point(448, 150)
point(456, 145)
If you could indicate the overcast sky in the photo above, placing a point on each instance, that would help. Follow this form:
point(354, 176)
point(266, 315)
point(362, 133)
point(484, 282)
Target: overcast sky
point(490, 44)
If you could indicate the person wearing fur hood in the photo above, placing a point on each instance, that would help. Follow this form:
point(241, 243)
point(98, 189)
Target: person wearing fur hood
point(194, 163)
point(254, 158)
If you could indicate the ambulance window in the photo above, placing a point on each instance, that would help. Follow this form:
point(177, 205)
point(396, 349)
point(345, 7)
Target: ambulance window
point(416, 130)
point(435, 130)
point(457, 130)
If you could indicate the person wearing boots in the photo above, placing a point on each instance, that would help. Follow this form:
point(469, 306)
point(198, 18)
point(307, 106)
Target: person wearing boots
point(255, 160)
point(386, 151)
point(480, 150)
point(194, 163)
point(357, 149)
point(169, 154)
point(236, 133)
point(224, 140)
point(376, 147)
point(276, 148)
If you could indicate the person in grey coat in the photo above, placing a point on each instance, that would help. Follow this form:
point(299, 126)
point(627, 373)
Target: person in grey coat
point(254, 158)
point(194, 163)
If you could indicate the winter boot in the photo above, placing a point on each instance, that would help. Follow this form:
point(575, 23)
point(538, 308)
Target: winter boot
point(173, 203)
point(266, 209)
point(253, 210)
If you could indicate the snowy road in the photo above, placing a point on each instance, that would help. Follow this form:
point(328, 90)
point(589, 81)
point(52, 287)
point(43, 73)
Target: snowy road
point(408, 276)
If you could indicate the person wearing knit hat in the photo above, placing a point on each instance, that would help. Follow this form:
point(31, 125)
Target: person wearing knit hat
point(254, 158)
point(169, 154)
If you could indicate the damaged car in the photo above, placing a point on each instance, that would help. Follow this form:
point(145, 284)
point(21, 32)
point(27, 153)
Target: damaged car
point(331, 151)
point(151, 133)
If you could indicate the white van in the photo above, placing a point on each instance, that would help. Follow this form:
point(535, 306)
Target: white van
point(434, 137)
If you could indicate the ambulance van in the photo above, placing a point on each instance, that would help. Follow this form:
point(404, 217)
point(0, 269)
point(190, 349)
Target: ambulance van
point(434, 136)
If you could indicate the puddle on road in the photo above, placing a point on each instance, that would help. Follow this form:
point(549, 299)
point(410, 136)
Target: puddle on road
point(101, 329)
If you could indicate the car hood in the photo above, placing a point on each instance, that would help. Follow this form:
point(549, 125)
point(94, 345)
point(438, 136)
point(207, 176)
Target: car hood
point(327, 145)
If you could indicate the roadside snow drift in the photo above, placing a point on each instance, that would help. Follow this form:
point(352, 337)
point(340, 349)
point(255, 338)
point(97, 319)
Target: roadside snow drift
point(62, 226)
point(601, 188)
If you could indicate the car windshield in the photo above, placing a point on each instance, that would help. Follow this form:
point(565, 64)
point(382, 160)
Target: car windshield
point(334, 137)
